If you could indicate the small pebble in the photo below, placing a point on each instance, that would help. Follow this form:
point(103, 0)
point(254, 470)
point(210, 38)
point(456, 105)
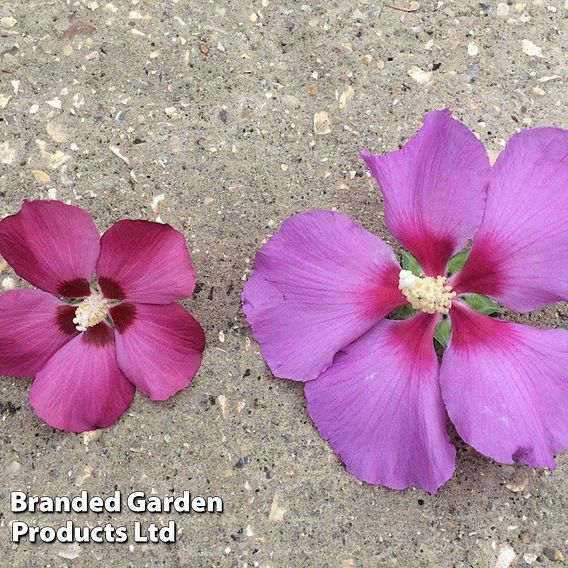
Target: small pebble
point(502, 10)
point(345, 97)
point(530, 49)
point(322, 123)
point(12, 468)
point(276, 514)
point(91, 436)
point(553, 554)
point(116, 151)
point(419, 75)
point(55, 103)
point(9, 284)
point(4, 100)
point(505, 557)
point(70, 551)
point(7, 153)
point(519, 481)
point(472, 49)
point(41, 176)
point(8, 22)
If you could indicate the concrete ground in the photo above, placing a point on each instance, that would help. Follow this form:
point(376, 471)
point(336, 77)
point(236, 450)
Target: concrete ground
point(201, 114)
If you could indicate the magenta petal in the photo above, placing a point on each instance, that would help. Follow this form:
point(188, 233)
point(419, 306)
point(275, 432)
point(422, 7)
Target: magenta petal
point(434, 189)
point(380, 407)
point(147, 262)
point(81, 387)
point(158, 347)
point(33, 326)
point(318, 284)
point(520, 254)
point(52, 245)
point(505, 386)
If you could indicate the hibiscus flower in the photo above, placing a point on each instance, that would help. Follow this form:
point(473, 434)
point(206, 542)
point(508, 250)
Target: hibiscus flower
point(104, 320)
point(322, 287)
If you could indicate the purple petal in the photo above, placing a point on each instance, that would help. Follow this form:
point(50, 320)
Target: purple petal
point(81, 387)
point(434, 189)
point(147, 262)
point(51, 245)
point(318, 284)
point(379, 406)
point(520, 254)
point(158, 347)
point(505, 386)
point(33, 326)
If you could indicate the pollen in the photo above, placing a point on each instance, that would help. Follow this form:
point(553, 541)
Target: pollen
point(427, 294)
point(91, 311)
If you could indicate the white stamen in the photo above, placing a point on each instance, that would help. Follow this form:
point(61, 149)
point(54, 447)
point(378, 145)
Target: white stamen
point(428, 294)
point(91, 311)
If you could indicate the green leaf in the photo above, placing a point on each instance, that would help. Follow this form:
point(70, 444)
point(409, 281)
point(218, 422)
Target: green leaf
point(410, 263)
point(402, 313)
point(482, 304)
point(443, 332)
point(457, 261)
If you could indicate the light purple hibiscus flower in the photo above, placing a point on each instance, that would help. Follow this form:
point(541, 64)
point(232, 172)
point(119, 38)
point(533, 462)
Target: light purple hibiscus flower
point(90, 342)
point(322, 286)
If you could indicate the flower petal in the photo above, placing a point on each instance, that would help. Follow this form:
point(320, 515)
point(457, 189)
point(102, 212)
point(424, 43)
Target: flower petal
point(81, 387)
point(52, 245)
point(380, 407)
point(505, 386)
point(434, 189)
point(520, 254)
point(33, 326)
point(158, 347)
point(142, 261)
point(318, 284)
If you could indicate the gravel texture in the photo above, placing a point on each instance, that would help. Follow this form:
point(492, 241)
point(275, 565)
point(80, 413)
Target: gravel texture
point(222, 118)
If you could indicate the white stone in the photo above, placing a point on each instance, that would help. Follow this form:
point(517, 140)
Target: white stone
point(322, 123)
point(505, 558)
point(419, 75)
point(4, 100)
point(8, 22)
point(12, 468)
point(55, 103)
point(8, 283)
point(530, 49)
point(503, 9)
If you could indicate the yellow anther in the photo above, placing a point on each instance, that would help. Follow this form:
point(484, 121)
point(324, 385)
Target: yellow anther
point(427, 294)
point(90, 312)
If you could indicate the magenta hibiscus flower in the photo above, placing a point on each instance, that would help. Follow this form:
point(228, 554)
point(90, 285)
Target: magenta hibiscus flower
point(322, 286)
point(89, 342)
